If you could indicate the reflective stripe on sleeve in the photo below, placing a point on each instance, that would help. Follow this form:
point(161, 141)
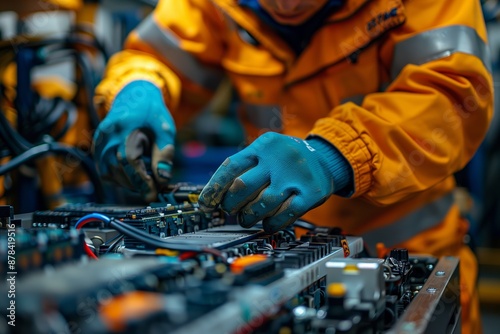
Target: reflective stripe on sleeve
point(356, 99)
point(439, 43)
point(428, 216)
point(167, 44)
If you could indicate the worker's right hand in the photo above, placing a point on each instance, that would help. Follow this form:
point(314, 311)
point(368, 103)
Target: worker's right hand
point(136, 137)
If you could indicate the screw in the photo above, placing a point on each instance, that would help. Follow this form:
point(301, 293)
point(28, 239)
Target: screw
point(408, 326)
point(440, 273)
point(431, 290)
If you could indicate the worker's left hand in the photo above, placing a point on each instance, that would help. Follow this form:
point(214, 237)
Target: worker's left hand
point(276, 179)
point(134, 145)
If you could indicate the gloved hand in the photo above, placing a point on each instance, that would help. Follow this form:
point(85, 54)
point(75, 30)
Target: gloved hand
point(135, 137)
point(276, 179)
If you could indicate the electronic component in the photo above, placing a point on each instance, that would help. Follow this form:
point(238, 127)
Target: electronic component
point(6, 214)
point(67, 215)
point(436, 308)
point(171, 220)
point(36, 249)
point(176, 269)
point(7, 218)
point(180, 197)
point(180, 193)
point(200, 284)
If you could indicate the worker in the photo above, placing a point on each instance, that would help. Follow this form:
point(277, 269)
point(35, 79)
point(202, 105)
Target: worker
point(357, 113)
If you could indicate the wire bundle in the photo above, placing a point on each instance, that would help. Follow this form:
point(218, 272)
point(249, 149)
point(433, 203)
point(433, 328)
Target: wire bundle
point(45, 121)
point(148, 239)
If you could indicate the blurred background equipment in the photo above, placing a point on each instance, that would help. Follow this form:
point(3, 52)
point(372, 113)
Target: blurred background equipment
point(52, 55)
point(49, 66)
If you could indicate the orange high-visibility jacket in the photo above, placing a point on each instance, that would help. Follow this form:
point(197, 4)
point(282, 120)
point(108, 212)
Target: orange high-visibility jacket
point(403, 89)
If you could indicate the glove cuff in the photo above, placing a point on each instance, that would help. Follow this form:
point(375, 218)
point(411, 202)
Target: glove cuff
point(335, 163)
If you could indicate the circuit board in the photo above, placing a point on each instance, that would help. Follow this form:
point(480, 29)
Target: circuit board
point(171, 268)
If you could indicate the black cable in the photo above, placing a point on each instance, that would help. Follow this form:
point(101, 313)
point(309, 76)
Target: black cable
point(87, 83)
point(304, 224)
point(14, 141)
point(114, 243)
point(71, 115)
point(67, 48)
point(152, 240)
point(48, 148)
point(84, 31)
point(17, 144)
point(112, 240)
point(4, 152)
point(70, 41)
point(141, 235)
point(48, 113)
point(40, 121)
point(291, 234)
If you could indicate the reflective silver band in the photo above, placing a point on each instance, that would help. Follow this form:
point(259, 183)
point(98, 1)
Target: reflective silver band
point(356, 99)
point(167, 44)
point(264, 116)
point(246, 37)
point(412, 224)
point(439, 43)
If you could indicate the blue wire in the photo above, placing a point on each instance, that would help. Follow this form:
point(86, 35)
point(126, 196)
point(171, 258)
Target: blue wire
point(96, 216)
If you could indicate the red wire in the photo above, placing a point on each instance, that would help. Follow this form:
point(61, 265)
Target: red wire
point(216, 253)
point(89, 252)
point(187, 255)
point(86, 247)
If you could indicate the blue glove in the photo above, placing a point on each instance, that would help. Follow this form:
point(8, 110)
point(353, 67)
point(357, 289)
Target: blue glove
point(276, 179)
point(135, 138)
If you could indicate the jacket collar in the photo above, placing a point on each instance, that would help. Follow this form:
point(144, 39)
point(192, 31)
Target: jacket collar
point(249, 21)
point(348, 9)
point(326, 48)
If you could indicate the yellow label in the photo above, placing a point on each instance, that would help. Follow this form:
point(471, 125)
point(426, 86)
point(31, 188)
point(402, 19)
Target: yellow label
point(345, 247)
point(193, 198)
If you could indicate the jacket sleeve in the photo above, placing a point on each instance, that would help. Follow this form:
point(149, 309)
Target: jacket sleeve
point(178, 48)
point(433, 115)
